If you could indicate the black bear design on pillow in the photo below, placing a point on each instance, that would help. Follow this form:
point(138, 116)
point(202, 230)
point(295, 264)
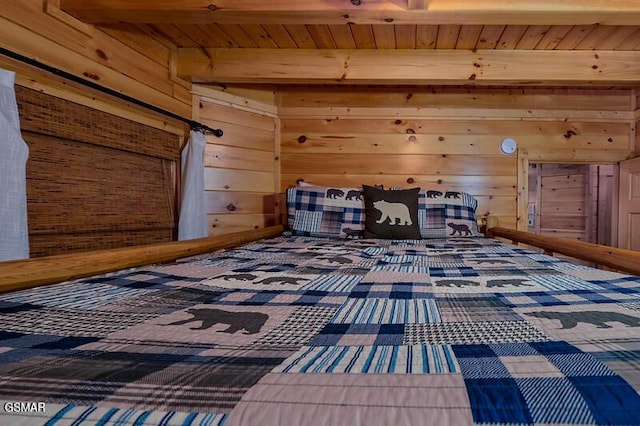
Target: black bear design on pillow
point(459, 228)
point(391, 214)
point(354, 195)
point(397, 213)
point(334, 193)
point(356, 233)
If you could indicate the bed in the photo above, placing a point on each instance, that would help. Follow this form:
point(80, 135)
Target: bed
point(310, 330)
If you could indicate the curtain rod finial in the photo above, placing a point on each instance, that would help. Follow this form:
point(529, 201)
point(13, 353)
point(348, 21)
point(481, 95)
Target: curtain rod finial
point(199, 127)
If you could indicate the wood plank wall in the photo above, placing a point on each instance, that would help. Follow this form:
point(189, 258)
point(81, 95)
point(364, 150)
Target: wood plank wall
point(241, 167)
point(109, 178)
point(133, 63)
point(448, 138)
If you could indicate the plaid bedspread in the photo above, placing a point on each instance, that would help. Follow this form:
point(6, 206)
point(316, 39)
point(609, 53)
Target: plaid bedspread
point(307, 331)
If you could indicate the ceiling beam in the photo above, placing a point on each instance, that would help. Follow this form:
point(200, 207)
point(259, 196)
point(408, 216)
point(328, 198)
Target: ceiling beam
point(473, 12)
point(365, 66)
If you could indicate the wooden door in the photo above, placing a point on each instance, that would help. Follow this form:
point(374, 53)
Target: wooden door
point(562, 201)
point(629, 216)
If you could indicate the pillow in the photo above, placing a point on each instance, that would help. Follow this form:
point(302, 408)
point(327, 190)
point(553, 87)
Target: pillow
point(391, 214)
point(432, 219)
point(457, 208)
point(320, 211)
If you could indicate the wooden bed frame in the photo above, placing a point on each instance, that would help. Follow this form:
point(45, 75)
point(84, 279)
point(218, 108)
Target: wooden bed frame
point(22, 274)
point(611, 257)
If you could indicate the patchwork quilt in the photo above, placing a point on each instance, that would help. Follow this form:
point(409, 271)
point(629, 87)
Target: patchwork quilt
point(311, 331)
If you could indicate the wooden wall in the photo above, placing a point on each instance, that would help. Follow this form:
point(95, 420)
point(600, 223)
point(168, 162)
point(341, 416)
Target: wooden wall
point(131, 62)
point(102, 171)
point(448, 138)
point(327, 135)
point(241, 167)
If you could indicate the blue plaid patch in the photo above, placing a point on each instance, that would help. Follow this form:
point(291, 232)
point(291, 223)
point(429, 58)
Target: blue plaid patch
point(505, 387)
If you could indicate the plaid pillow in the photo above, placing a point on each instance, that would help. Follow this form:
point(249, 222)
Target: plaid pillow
point(318, 211)
point(457, 212)
point(339, 212)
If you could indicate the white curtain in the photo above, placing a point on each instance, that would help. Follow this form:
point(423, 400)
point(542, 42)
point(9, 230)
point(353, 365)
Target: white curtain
point(14, 235)
point(193, 217)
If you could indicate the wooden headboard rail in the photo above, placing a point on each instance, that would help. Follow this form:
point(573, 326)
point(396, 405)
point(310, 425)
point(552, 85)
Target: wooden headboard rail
point(22, 274)
point(611, 257)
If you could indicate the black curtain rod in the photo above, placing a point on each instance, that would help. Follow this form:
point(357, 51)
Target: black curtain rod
point(193, 125)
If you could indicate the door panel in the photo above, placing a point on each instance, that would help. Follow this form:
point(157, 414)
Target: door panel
point(635, 231)
point(629, 217)
point(563, 201)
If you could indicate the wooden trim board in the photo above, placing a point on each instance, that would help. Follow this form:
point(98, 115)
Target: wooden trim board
point(612, 257)
point(28, 273)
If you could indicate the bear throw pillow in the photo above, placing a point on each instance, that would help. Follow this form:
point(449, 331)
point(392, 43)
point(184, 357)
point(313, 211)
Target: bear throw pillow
point(391, 214)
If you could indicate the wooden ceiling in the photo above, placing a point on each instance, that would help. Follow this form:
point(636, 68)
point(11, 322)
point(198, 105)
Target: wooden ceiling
point(472, 42)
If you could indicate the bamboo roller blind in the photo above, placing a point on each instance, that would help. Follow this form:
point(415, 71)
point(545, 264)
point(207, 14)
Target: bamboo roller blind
point(94, 180)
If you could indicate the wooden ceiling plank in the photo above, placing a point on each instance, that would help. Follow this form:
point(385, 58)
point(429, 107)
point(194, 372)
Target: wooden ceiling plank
point(538, 5)
point(200, 35)
point(447, 36)
point(385, 36)
point(237, 34)
point(511, 36)
point(259, 35)
point(155, 34)
point(574, 37)
point(630, 43)
point(468, 37)
point(322, 36)
point(342, 36)
point(219, 36)
point(590, 42)
point(489, 36)
point(533, 36)
point(363, 36)
point(501, 12)
point(553, 37)
point(301, 36)
point(176, 35)
point(426, 36)
point(280, 36)
point(405, 36)
point(368, 66)
point(619, 35)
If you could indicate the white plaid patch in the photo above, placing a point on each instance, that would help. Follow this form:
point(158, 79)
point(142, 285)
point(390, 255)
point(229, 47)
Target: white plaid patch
point(307, 221)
